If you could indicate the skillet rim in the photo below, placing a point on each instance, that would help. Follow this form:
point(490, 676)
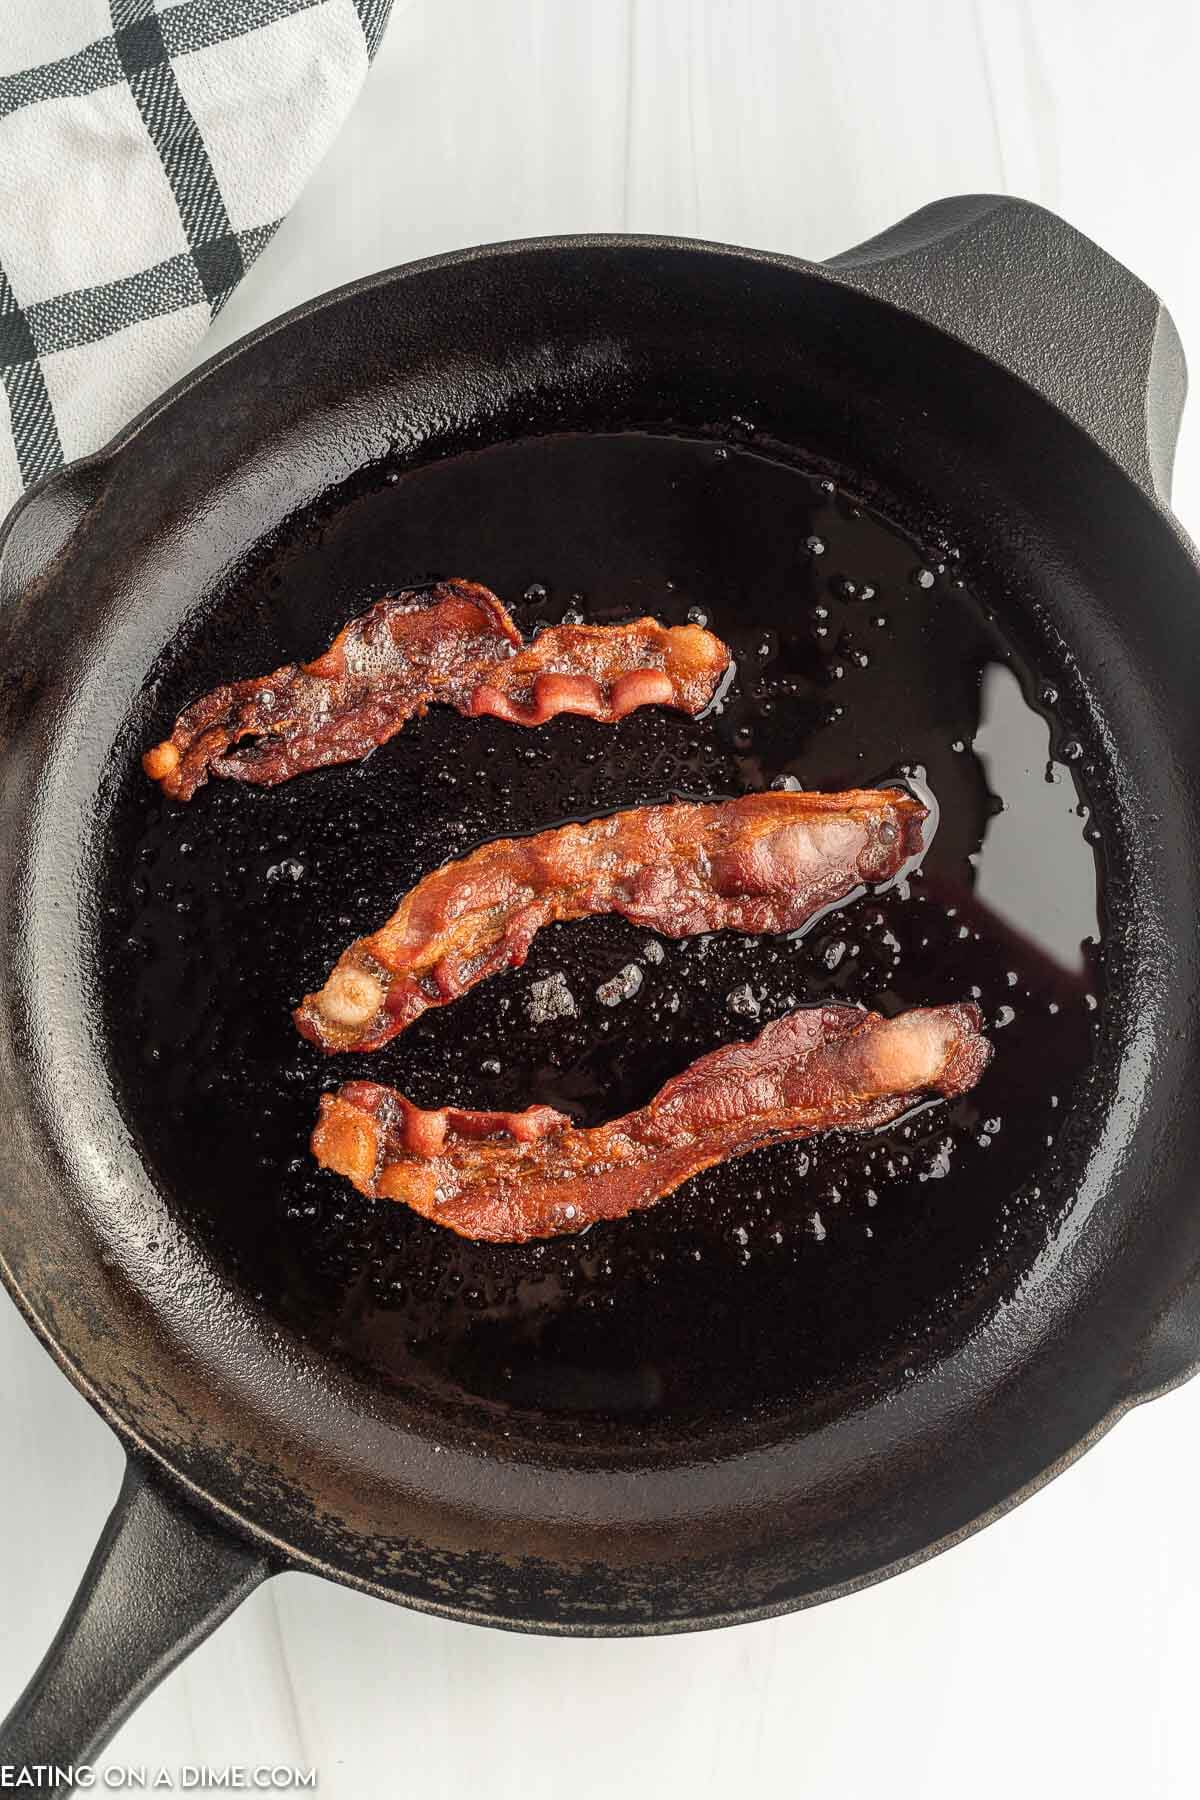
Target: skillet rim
point(286, 1559)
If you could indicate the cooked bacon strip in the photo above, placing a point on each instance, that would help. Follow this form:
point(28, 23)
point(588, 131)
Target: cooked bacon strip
point(508, 1177)
point(766, 862)
point(454, 644)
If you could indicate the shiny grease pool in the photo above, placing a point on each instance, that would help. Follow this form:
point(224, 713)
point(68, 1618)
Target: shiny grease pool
point(796, 1277)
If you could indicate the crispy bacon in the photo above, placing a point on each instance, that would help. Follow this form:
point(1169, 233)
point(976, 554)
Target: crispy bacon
point(766, 862)
point(454, 644)
point(509, 1177)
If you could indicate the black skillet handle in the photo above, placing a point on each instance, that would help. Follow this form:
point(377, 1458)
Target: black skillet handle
point(1035, 295)
point(43, 521)
point(34, 535)
point(162, 1577)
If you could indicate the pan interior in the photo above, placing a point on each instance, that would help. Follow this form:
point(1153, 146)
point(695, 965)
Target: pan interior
point(802, 1276)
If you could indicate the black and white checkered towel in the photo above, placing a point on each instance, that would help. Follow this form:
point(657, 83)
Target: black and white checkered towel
point(148, 150)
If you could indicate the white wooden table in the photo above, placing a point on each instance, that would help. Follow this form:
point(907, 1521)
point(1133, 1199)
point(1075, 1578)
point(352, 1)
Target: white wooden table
point(1057, 1651)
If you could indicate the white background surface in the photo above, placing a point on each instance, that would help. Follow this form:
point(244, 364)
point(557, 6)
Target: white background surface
point(1057, 1651)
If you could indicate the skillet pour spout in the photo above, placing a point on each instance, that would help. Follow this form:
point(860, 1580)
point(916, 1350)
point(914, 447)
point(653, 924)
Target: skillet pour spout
point(982, 368)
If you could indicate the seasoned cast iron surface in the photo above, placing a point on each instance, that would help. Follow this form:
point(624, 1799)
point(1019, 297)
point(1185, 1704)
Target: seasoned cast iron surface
point(802, 1272)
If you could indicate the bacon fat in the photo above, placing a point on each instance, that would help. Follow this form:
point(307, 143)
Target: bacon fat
point(509, 1177)
point(453, 644)
point(764, 863)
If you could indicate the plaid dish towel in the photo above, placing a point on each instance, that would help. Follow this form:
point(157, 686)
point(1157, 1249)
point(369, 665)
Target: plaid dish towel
point(148, 151)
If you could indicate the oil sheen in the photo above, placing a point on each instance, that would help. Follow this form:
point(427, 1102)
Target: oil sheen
point(798, 1275)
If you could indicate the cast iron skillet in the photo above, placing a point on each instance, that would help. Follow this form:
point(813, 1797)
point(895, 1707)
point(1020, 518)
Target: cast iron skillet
point(989, 375)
